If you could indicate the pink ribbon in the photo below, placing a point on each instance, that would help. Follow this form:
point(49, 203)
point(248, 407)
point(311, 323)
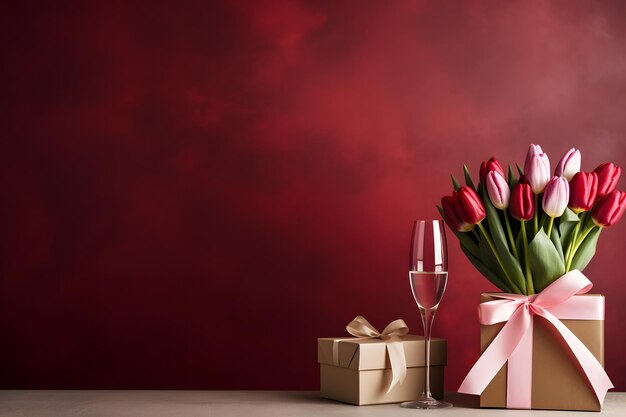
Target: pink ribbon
point(514, 342)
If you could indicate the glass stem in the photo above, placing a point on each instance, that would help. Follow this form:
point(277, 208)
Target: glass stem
point(428, 314)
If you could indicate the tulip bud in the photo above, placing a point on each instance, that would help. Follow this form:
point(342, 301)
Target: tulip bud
point(569, 164)
point(608, 175)
point(498, 190)
point(522, 205)
point(487, 166)
point(556, 196)
point(537, 169)
point(582, 191)
point(469, 205)
point(609, 209)
point(452, 216)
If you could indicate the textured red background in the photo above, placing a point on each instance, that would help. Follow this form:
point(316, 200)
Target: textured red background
point(193, 192)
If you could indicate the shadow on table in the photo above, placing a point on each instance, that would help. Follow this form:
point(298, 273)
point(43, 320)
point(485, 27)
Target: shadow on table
point(462, 400)
point(458, 400)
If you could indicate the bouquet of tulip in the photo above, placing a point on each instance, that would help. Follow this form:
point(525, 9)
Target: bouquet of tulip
point(527, 230)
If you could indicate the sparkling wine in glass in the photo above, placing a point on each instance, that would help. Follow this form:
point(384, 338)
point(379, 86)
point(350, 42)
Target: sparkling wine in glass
point(428, 275)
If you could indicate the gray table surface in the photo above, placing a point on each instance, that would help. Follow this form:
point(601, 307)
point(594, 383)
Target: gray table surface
point(240, 403)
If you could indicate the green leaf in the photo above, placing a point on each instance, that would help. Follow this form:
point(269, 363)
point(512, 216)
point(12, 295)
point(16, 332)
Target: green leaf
point(515, 224)
point(586, 250)
point(519, 242)
point(468, 178)
point(569, 216)
point(567, 222)
point(512, 181)
point(554, 237)
point(510, 263)
point(455, 183)
point(485, 271)
point(545, 261)
point(519, 170)
point(489, 260)
point(466, 240)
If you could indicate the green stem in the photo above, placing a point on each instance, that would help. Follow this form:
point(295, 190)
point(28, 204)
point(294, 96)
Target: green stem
point(536, 220)
point(569, 257)
point(495, 252)
point(529, 277)
point(584, 219)
point(550, 222)
point(576, 244)
point(510, 234)
point(582, 238)
point(571, 246)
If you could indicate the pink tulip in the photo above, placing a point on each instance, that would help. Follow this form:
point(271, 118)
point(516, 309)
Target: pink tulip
point(569, 164)
point(556, 196)
point(537, 169)
point(498, 190)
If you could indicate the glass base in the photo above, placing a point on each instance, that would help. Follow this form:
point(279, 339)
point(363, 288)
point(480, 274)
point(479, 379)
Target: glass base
point(426, 403)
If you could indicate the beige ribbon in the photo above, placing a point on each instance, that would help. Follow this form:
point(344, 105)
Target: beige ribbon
point(362, 329)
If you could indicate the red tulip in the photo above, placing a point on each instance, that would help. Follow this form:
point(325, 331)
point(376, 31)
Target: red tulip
point(469, 205)
point(609, 209)
point(582, 191)
point(522, 205)
point(608, 175)
point(452, 216)
point(491, 165)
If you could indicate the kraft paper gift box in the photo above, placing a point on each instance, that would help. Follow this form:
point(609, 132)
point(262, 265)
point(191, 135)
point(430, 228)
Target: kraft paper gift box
point(557, 380)
point(363, 372)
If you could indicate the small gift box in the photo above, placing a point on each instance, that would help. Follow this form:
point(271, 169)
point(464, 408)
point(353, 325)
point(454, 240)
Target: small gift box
point(544, 351)
point(378, 368)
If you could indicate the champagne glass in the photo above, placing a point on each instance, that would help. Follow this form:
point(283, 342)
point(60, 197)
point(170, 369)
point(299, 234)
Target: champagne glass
point(428, 275)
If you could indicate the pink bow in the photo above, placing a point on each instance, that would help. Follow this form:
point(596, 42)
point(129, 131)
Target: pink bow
point(514, 342)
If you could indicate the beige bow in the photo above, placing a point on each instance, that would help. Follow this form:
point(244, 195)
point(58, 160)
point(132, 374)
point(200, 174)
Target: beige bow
point(362, 329)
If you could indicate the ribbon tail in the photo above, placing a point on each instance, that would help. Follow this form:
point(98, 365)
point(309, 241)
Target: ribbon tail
point(395, 350)
point(497, 353)
point(521, 371)
point(593, 370)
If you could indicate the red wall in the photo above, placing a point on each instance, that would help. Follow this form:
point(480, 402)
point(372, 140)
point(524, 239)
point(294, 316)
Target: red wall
point(191, 194)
